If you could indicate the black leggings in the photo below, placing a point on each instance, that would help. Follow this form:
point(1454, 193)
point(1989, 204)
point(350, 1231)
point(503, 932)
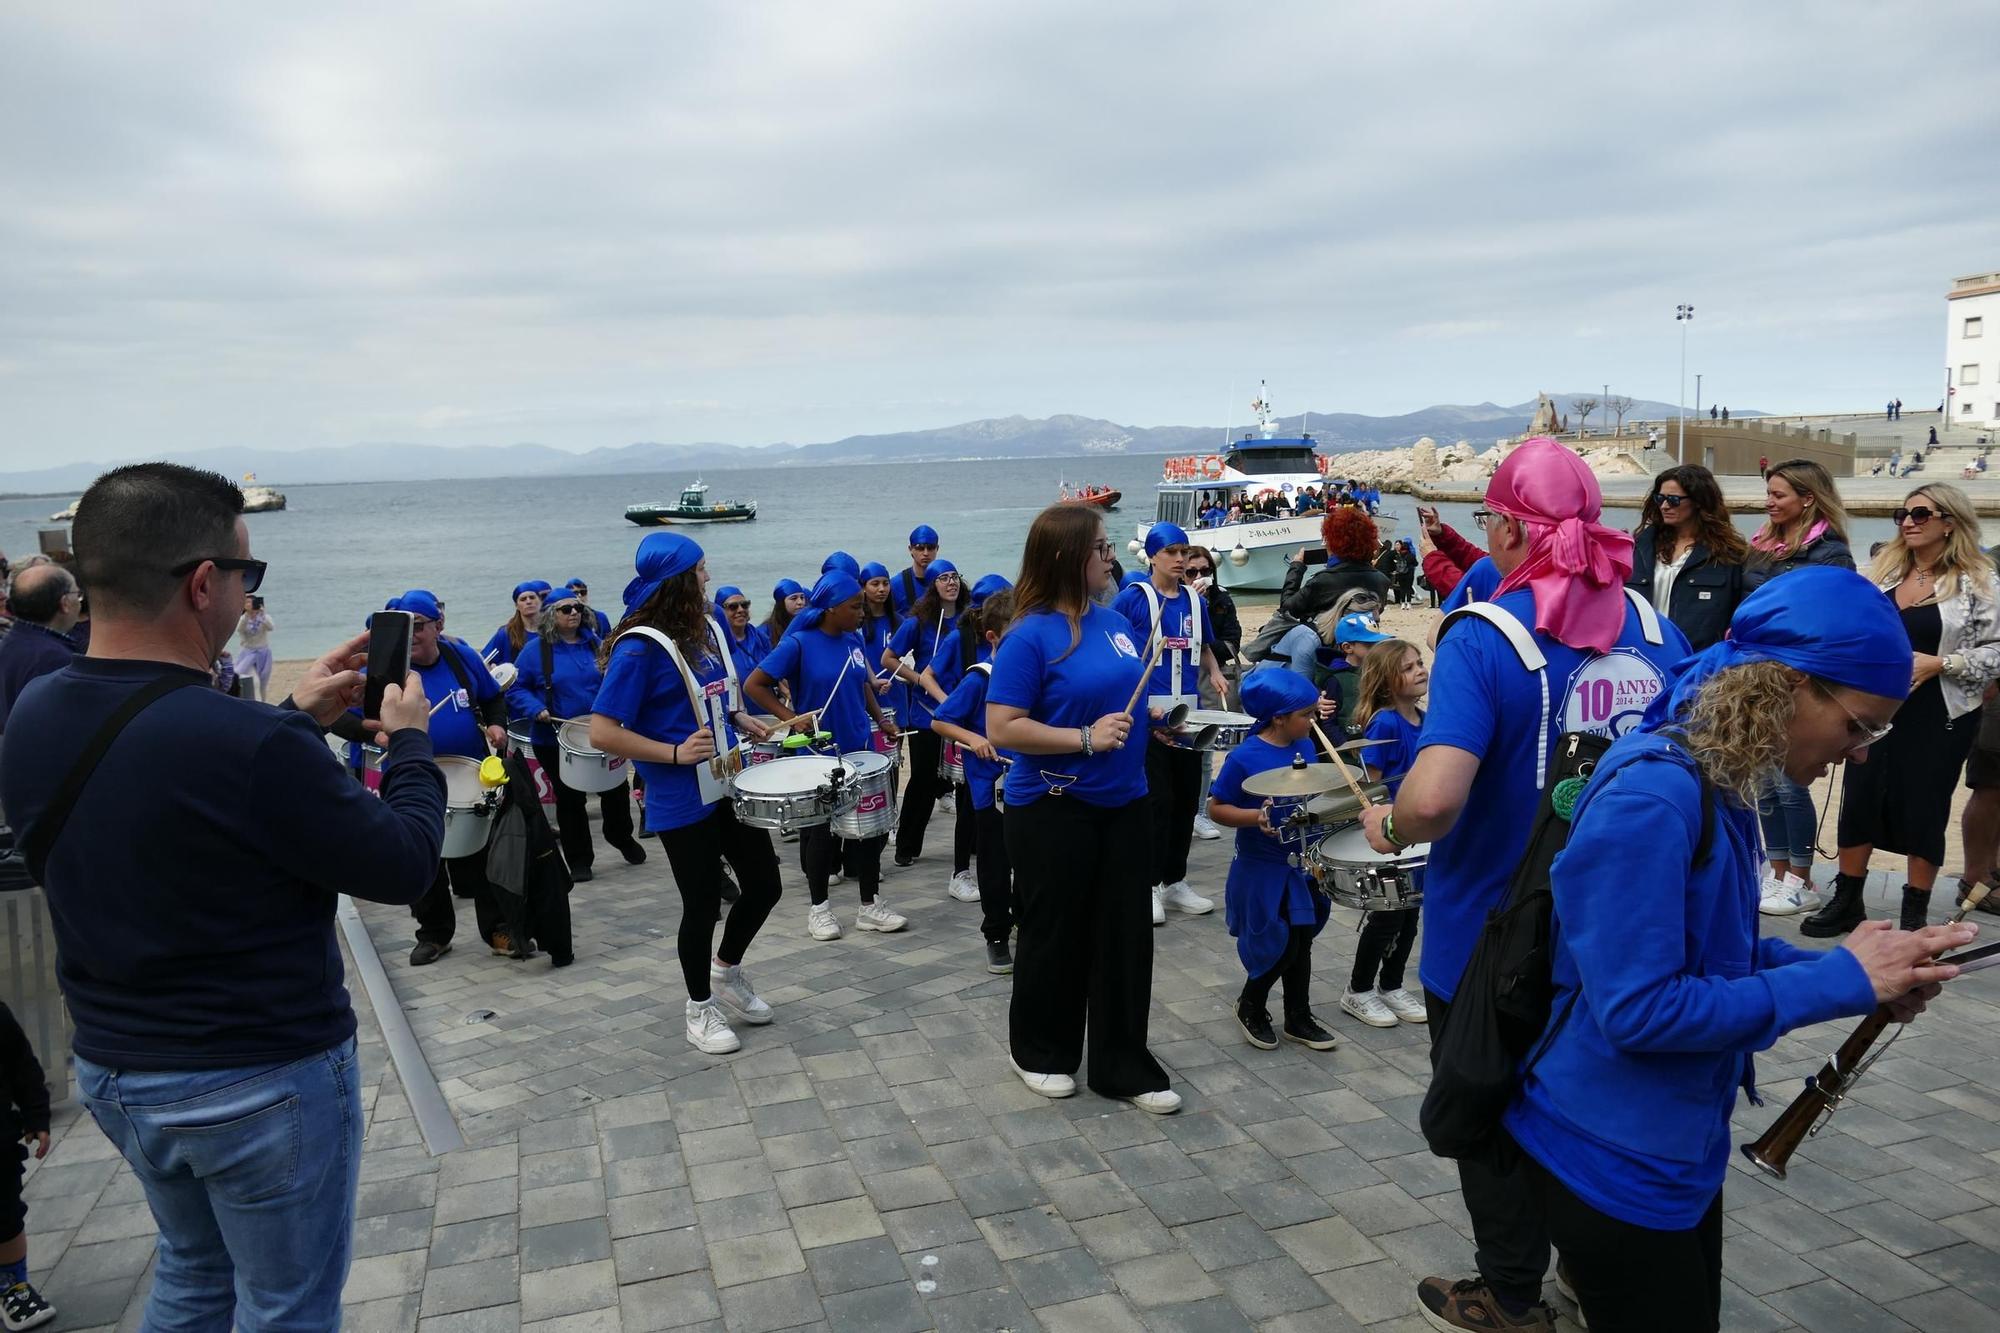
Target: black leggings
point(821, 849)
point(1173, 785)
point(1386, 941)
point(922, 790)
point(1294, 966)
point(695, 852)
point(1683, 1269)
point(573, 812)
point(996, 873)
point(964, 830)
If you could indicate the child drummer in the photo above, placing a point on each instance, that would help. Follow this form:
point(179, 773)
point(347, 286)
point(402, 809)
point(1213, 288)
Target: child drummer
point(1393, 684)
point(1270, 909)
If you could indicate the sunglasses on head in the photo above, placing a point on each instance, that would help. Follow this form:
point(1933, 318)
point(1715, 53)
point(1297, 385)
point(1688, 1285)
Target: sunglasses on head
point(1670, 501)
point(1918, 514)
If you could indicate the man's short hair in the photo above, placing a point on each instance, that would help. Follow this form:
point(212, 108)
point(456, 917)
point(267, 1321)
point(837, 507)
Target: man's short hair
point(136, 523)
point(36, 593)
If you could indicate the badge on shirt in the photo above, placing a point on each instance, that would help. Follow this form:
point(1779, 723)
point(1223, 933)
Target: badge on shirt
point(1608, 695)
point(1176, 643)
point(1123, 644)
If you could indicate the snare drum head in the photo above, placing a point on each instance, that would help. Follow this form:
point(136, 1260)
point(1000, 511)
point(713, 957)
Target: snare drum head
point(1217, 717)
point(866, 763)
point(575, 737)
point(1350, 845)
point(782, 777)
point(461, 780)
point(1340, 806)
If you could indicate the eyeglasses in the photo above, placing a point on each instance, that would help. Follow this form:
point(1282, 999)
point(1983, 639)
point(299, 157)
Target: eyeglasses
point(1855, 726)
point(1102, 547)
point(1670, 501)
point(1480, 518)
point(253, 570)
point(947, 578)
point(736, 606)
point(419, 624)
point(1917, 514)
point(569, 610)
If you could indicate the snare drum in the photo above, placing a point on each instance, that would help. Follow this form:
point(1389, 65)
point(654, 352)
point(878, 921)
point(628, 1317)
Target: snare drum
point(788, 794)
point(1218, 728)
point(1339, 809)
point(874, 810)
point(877, 740)
point(584, 766)
point(468, 806)
point(521, 732)
point(951, 763)
point(1355, 875)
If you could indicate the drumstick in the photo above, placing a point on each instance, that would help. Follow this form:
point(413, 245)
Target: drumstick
point(1352, 785)
point(1159, 645)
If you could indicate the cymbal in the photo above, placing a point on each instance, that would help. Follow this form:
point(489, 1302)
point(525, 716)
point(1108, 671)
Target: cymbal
point(1349, 747)
point(1298, 780)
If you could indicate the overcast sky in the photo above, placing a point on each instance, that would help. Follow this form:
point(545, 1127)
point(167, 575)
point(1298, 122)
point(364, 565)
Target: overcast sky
point(590, 224)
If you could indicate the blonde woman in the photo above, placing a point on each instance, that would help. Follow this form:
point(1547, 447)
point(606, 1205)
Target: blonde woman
point(1900, 800)
point(1804, 525)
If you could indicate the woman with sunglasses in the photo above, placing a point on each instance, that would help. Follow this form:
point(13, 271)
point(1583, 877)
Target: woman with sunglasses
point(1900, 800)
point(1805, 524)
point(1059, 702)
point(744, 640)
point(1687, 556)
point(909, 655)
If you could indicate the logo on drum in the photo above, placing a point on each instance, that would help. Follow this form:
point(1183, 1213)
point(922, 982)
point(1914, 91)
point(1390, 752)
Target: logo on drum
point(872, 802)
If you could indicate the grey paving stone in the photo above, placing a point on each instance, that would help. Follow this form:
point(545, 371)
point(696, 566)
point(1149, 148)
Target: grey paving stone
point(1897, 1229)
point(999, 1192)
point(565, 1243)
point(930, 1225)
point(811, 1148)
point(471, 1286)
point(1058, 1276)
point(983, 1312)
point(1828, 1307)
point(888, 1309)
point(649, 1139)
point(643, 1175)
point(636, 1214)
point(754, 1259)
point(465, 1242)
point(1164, 1279)
point(395, 1314)
point(1225, 1242)
point(909, 1187)
point(779, 1302)
point(465, 1203)
point(390, 1233)
point(1945, 1311)
point(952, 1270)
point(674, 1302)
point(742, 1215)
point(554, 1292)
point(1218, 1314)
point(819, 1184)
point(1178, 1202)
point(1027, 1231)
point(836, 1223)
point(658, 1254)
point(854, 1265)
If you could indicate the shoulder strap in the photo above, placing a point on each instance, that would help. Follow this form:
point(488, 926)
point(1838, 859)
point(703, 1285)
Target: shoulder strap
point(719, 636)
point(1152, 604)
point(680, 663)
point(910, 588)
point(1649, 619)
point(548, 673)
point(41, 839)
point(1532, 658)
point(983, 668)
point(458, 671)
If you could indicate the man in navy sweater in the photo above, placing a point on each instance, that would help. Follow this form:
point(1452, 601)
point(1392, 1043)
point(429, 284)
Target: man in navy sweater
point(45, 605)
point(192, 888)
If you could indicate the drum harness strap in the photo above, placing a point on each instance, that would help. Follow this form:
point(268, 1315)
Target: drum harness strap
point(722, 766)
point(1193, 626)
point(1523, 643)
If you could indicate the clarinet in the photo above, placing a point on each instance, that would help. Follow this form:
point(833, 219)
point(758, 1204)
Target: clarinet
point(1825, 1091)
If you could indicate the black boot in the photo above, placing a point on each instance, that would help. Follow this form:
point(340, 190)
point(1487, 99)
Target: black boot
point(1916, 908)
point(1842, 914)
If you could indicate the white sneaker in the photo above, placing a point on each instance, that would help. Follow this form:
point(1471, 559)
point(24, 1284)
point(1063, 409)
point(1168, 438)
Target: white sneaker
point(708, 1030)
point(1048, 1085)
point(1181, 898)
point(1406, 1005)
point(1809, 899)
point(1205, 829)
point(963, 887)
point(1781, 896)
point(1164, 1102)
point(1159, 908)
point(877, 916)
point(834, 879)
point(821, 923)
point(1369, 1007)
point(731, 985)
point(947, 804)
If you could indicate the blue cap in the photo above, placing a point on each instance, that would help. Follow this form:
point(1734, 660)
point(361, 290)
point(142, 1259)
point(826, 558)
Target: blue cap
point(939, 568)
point(923, 535)
point(987, 586)
point(725, 592)
point(874, 569)
point(1272, 689)
point(1162, 535)
point(843, 562)
point(1359, 628)
point(532, 585)
point(786, 588)
point(660, 556)
point(557, 596)
point(417, 601)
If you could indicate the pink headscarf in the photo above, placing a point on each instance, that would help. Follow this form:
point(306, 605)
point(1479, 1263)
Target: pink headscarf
point(1575, 565)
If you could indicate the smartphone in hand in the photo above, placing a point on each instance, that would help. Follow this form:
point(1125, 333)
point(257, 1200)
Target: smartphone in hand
point(388, 656)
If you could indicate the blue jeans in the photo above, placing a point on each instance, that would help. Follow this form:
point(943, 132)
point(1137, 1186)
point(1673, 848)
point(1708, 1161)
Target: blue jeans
point(250, 1174)
point(1787, 816)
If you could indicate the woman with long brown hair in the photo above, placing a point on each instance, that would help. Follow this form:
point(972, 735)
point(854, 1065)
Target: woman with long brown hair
point(508, 640)
point(1076, 821)
point(664, 705)
point(1687, 556)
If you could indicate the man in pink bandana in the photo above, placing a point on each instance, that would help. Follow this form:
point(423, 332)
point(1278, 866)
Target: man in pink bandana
point(1561, 647)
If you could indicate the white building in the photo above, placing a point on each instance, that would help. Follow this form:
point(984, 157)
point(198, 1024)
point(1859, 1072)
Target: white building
point(1972, 350)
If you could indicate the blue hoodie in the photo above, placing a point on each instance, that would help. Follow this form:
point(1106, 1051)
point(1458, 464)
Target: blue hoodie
point(1629, 1105)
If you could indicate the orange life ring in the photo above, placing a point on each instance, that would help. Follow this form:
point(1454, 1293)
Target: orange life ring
point(1211, 468)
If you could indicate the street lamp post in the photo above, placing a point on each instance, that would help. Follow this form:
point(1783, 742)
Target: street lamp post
point(1683, 316)
point(1697, 398)
point(1606, 400)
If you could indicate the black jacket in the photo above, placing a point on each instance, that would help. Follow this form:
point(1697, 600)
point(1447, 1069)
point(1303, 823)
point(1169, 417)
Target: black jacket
point(1228, 626)
point(1303, 598)
point(1705, 595)
point(1828, 550)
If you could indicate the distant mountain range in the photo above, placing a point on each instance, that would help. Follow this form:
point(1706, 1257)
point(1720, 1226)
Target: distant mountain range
point(1003, 437)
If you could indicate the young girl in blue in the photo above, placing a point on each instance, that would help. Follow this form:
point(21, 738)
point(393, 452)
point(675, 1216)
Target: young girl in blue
point(1389, 708)
point(918, 638)
point(823, 665)
point(1269, 907)
point(879, 620)
point(556, 680)
point(963, 645)
point(962, 718)
point(644, 712)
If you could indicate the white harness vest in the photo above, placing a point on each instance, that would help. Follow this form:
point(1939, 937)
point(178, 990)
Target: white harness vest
point(1180, 651)
point(714, 702)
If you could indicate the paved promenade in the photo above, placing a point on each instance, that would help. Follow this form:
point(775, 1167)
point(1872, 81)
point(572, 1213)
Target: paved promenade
point(870, 1163)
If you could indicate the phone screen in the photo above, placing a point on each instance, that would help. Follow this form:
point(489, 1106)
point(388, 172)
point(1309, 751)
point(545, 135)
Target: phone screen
point(388, 657)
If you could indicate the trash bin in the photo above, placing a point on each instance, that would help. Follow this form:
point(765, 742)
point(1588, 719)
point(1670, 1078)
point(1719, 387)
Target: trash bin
point(28, 969)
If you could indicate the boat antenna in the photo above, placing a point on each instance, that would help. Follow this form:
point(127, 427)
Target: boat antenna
point(1227, 421)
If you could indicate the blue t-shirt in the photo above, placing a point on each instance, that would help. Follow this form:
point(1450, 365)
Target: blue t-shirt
point(922, 639)
point(747, 651)
point(500, 648)
point(455, 726)
point(876, 635)
point(643, 690)
point(1485, 702)
point(900, 584)
point(1393, 760)
point(1476, 584)
point(966, 707)
point(811, 662)
point(1257, 755)
point(1095, 680)
point(1174, 627)
point(576, 682)
point(945, 668)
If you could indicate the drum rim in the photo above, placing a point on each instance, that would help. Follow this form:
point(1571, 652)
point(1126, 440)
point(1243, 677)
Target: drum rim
point(1218, 717)
point(767, 769)
point(866, 763)
point(1416, 851)
point(583, 751)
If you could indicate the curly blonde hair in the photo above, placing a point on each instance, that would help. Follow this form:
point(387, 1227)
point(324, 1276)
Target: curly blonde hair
point(1737, 727)
point(1961, 558)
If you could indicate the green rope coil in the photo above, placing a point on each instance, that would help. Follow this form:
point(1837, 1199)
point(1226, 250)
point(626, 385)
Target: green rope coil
point(1565, 796)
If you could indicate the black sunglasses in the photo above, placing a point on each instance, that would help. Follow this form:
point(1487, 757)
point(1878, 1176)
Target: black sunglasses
point(1670, 501)
point(1921, 513)
point(253, 570)
point(569, 610)
point(736, 606)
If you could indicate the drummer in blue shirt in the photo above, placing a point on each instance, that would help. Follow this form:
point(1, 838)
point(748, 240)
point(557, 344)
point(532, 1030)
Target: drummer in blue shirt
point(909, 585)
point(744, 640)
point(598, 619)
point(1060, 703)
point(824, 666)
point(556, 681)
point(507, 641)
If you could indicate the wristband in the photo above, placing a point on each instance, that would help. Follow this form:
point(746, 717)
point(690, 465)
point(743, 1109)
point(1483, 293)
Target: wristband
point(677, 752)
point(1085, 733)
point(1389, 832)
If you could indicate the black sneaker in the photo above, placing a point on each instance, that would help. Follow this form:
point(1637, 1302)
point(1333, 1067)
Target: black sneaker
point(1469, 1304)
point(1256, 1025)
point(1306, 1031)
point(905, 861)
point(582, 875)
point(998, 960)
point(427, 953)
point(633, 853)
point(23, 1307)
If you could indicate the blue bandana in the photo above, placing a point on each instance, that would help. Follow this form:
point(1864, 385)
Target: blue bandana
point(724, 593)
point(661, 556)
point(1271, 690)
point(923, 535)
point(987, 586)
point(532, 585)
point(843, 562)
point(785, 588)
point(1162, 535)
point(417, 601)
point(874, 569)
point(834, 587)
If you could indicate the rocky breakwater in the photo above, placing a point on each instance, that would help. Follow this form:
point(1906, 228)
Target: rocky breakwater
point(1429, 469)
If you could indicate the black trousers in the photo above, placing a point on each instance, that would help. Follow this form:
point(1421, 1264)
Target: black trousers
point(996, 873)
point(573, 812)
point(1294, 967)
point(1601, 1253)
point(964, 830)
point(821, 849)
point(465, 876)
point(1173, 785)
point(920, 792)
point(1383, 949)
point(695, 853)
point(1085, 959)
point(1510, 1237)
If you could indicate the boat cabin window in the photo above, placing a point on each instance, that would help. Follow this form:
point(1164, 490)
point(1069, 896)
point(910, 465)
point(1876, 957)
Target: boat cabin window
point(1176, 507)
point(1268, 461)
